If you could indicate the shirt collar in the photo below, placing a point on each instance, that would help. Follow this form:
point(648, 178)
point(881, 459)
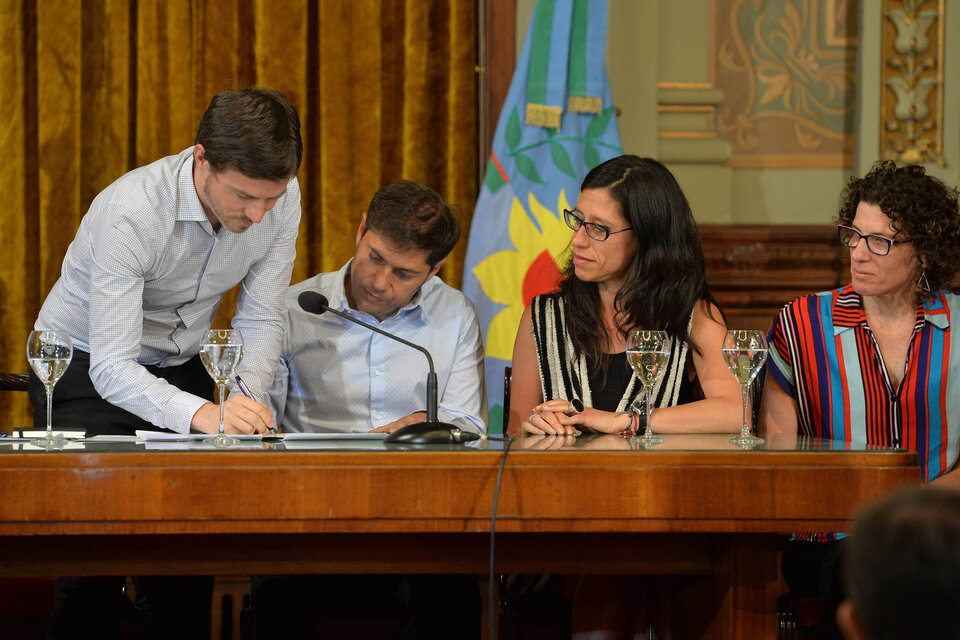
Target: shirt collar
point(189, 208)
point(935, 312)
point(848, 311)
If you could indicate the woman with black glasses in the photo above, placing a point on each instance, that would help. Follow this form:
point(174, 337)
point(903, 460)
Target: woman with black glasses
point(874, 362)
point(635, 263)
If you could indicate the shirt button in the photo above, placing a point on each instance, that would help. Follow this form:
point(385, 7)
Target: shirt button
point(378, 416)
point(377, 372)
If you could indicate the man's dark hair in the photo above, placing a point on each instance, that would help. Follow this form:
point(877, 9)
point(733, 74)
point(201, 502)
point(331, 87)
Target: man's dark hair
point(253, 131)
point(903, 566)
point(411, 216)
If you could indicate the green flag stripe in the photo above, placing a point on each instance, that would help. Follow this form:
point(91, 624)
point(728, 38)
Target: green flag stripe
point(577, 67)
point(540, 52)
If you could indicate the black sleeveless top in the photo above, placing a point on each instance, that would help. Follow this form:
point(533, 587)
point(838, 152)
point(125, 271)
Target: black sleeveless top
point(607, 394)
point(564, 375)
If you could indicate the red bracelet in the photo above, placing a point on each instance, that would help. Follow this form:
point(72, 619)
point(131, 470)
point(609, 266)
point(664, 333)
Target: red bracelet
point(631, 426)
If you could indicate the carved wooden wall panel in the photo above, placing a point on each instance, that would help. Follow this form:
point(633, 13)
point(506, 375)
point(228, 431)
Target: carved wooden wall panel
point(911, 128)
point(754, 270)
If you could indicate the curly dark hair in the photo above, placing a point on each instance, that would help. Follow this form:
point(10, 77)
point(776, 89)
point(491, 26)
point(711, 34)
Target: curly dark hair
point(920, 207)
point(667, 276)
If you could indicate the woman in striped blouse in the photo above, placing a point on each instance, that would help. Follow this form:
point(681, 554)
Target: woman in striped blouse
point(635, 262)
point(873, 362)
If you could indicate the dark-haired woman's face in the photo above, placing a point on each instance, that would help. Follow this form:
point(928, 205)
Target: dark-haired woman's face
point(609, 261)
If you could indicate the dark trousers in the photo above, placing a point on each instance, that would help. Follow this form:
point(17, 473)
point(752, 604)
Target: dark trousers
point(77, 405)
point(96, 607)
point(814, 569)
point(165, 607)
point(394, 607)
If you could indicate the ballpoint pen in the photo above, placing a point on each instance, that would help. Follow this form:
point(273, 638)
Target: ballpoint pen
point(246, 392)
point(243, 388)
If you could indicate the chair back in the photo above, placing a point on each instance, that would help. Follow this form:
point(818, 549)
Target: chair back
point(14, 381)
point(507, 377)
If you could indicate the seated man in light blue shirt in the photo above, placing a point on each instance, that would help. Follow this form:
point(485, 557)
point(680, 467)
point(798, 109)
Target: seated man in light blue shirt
point(336, 376)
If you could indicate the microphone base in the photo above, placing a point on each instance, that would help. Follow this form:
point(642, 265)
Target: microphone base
point(430, 433)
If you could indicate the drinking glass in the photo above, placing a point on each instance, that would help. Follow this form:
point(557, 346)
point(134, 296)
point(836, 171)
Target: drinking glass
point(745, 351)
point(49, 353)
point(648, 353)
point(220, 352)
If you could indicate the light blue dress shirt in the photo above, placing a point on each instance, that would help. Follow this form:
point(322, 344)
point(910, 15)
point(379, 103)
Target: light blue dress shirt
point(336, 376)
point(144, 277)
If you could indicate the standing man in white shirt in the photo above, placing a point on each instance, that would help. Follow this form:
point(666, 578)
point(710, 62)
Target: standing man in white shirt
point(154, 255)
point(336, 376)
point(140, 284)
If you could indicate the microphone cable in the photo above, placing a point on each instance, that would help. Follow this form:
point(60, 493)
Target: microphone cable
point(493, 605)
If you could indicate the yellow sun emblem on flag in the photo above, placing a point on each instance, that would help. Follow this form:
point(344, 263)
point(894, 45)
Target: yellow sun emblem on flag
point(514, 277)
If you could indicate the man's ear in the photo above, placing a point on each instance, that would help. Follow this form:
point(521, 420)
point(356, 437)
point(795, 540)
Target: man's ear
point(198, 157)
point(848, 621)
point(362, 229)
point(436, 268)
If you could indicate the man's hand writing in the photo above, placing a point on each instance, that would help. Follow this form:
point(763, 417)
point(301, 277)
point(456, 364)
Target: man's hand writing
point(240, 415)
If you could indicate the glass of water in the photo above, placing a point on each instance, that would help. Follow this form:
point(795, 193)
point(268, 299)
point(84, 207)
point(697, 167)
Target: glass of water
point(648, 353)
point(745, 351)
point(49, 353)
point(220, 352)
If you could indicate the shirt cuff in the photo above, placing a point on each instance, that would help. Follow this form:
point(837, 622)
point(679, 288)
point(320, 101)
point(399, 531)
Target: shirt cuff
point(180, 410)
point(465, 424)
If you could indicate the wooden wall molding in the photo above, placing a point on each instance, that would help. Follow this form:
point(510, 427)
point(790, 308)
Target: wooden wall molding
point(754, 270)
point(912, 67)
point(496, 68)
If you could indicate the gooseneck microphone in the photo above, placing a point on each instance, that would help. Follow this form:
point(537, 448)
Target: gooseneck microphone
point(430, 431)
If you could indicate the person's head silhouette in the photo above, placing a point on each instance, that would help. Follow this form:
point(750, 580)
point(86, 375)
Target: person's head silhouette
point(903, 568)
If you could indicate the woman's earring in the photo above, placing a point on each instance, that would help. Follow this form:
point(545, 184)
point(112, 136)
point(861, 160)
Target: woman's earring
point(922, 282)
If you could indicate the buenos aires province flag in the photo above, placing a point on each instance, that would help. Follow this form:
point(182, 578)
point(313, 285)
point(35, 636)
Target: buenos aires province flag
point(557, 123)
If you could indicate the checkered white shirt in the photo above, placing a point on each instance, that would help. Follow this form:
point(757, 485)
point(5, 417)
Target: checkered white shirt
point(144, 277)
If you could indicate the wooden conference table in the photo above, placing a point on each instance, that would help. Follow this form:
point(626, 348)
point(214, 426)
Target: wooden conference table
point(695, 506)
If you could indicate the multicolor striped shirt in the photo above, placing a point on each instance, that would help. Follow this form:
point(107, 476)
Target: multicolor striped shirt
point(823, 353)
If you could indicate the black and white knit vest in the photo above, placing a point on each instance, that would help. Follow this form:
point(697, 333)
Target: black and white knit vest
point(563, 375)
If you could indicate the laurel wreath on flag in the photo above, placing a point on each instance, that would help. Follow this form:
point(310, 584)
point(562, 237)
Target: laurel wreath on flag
point(558, 152)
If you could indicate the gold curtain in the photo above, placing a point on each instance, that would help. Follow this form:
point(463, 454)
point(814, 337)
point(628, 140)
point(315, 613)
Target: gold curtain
point(385, 90)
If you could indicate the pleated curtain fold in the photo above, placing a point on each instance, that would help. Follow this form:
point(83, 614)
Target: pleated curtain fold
point(386, 89)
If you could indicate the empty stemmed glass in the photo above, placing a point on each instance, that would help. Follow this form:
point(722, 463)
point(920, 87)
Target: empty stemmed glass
point(745, 351)
point(220, 352)
point(648, 353)
point(49, 353)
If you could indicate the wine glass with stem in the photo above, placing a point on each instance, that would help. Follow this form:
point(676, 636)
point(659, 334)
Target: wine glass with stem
point(745, 351)
point(648, 353)
point(49, 353)
point(220, 352)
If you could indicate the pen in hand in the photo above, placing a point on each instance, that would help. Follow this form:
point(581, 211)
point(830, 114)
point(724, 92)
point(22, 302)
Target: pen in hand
point(243, 388)
point(246, 392)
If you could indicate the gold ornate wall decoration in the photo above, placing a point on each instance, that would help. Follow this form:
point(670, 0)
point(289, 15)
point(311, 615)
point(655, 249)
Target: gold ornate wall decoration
point(912, 76)
point(787, 72)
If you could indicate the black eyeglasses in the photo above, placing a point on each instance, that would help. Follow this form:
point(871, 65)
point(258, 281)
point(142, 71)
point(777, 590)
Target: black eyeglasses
point(596, 231)
point(877, 245)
